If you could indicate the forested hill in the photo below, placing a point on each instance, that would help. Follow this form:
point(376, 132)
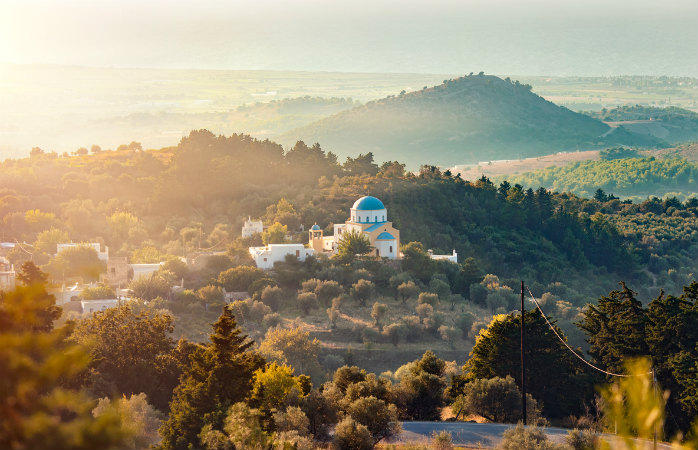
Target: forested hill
point(628, 177)
point(197, 194)
point(464, 120)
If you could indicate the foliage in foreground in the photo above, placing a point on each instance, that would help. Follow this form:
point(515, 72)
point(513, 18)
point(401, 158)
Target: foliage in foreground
point(36, 409)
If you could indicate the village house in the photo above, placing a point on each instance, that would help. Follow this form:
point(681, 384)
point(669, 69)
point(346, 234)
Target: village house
point(103, 255)
point(265, 257)
point(7, 275)
point(251, 227)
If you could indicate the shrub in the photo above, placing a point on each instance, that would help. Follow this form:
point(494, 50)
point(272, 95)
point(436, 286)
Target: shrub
point(362, 290)
point(306, 301)
point(378, 312)
point(428, 297)
point(272, 297)
point(496, 399)
point(433, 322)
point(395, 332)
point(464, 323)
point(351, 435)
point(327, 290)
point(271, 320)
point(527, 438)
point(257, 311)
point(441, 441)
point(407, 290)
point(424, 310)
point(448, 334)
point(413, 329)
point(582, 440)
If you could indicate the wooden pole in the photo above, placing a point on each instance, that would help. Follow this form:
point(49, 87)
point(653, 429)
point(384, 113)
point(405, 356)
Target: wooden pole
point(523, 367)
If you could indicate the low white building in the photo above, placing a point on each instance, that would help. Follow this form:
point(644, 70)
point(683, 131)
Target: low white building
point(7, 275)
point(103, 255)
point(251, 227)
point(144, 270)
point(265, 257)
point(453, 257)
point(92, 306)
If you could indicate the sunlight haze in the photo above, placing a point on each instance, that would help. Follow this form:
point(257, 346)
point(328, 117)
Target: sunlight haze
point(508, 37)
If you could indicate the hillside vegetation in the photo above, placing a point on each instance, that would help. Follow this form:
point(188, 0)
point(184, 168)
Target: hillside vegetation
point(626, 177)
point(464, 120)
point(196, 195)
point(670, 124)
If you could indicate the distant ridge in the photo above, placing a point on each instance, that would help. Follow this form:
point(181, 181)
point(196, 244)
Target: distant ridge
point(464, 120)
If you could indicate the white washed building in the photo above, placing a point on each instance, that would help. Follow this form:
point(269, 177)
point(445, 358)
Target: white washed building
point(103, 255)
point(453, 257)
point(265, 257)
point(252, 227)
point(92, 306)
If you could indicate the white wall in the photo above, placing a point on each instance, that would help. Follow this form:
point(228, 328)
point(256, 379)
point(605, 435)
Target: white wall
point(384, 250)
point(265, 257)
point(92, 306)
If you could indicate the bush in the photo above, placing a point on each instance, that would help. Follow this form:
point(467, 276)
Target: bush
point(429, 298)
point(433, 322)
point(272, 297)
point(441, 441)
point(395, 332)
point(378, 312)
point(258, 311)
point(424, 310)
point(351, 435)
point(464, 323)
point(306, 301)
point(413, 329)
point(448, 334)
point(271, 320)
point(496, 399)
point(582, 440)
point(527, 438)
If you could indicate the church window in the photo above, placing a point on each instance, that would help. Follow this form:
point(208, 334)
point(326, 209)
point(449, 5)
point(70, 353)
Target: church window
point(391, 249)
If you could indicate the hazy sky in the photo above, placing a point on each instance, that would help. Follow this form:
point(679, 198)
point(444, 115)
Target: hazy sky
point(526, 37)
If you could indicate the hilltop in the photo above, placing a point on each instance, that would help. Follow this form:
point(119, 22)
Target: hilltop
point(464, 120)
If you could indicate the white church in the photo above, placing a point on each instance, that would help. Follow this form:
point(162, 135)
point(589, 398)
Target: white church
point(368, 216)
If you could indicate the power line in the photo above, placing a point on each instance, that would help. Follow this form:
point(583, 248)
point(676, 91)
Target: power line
point(571, 349)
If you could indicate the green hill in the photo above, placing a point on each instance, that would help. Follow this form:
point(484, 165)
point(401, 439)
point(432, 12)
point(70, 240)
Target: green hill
point(671, 124)
point(465, 120)
point(627, 177)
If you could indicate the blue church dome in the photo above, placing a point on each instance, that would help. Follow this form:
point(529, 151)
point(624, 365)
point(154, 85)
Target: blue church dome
point(368, 203)
point(385, 236)
point(315, 227)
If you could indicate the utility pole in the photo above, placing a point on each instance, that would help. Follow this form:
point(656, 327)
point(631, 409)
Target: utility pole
point(654, 381)
point(523, 367)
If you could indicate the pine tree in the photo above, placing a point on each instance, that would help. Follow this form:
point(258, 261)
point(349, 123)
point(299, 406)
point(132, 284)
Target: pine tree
point(217, 376)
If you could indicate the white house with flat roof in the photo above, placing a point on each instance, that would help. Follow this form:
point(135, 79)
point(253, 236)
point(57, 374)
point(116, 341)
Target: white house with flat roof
point(103, 255)
point(92, 306)
point(7, 275)
point(452, 257)
point(265, 257)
